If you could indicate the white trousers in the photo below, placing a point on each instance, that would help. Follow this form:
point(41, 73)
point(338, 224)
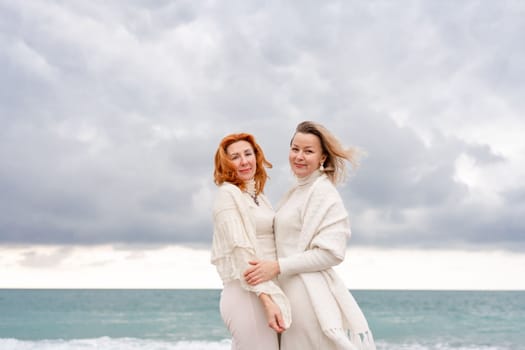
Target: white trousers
point(305, 332)
point(244, 316)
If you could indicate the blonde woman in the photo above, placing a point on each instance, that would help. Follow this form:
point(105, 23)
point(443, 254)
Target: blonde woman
point(311, 230)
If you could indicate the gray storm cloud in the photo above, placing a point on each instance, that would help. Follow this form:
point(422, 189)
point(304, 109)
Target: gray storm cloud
point(111, 114)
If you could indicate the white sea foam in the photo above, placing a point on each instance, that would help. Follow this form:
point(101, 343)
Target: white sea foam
point(106, 343)
point(437, 346)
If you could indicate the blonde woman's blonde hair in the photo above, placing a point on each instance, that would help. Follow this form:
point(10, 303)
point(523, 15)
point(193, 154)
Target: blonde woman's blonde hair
point(336, 154)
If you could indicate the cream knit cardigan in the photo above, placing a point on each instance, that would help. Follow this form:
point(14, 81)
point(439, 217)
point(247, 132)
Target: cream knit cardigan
point(235, 243)
point(322, 211)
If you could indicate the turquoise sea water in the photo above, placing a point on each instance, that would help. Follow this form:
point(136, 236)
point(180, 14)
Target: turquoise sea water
point(189, 319)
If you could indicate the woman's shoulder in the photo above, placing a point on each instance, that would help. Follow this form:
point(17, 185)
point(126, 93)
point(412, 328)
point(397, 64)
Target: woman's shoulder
point(323, 188)
point(323, 183)
point(226, 193)
point(227, 187)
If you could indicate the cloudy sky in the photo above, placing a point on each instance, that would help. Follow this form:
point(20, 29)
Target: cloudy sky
point(111, 113)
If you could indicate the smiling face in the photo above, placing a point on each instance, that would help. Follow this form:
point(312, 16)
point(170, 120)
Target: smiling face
point(306, 154)
point(242, 156)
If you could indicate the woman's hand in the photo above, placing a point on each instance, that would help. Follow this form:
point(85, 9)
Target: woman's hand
point(261, 271)
point(273, 313)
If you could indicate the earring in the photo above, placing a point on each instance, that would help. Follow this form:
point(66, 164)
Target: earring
point(321, 167)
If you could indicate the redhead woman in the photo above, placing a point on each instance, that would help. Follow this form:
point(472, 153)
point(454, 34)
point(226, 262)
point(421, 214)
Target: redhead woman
point(243, 231)
point(311, 230)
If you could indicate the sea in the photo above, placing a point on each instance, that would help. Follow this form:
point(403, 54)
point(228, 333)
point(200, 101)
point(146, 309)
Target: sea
point(129, 319)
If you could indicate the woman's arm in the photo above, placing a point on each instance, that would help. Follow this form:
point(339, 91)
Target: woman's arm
point(326, 249)
point(233, 248)
point(265, 290)
point(273, 313)
point(308, 261)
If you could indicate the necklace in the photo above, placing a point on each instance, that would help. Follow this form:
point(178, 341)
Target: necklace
point(254, 197)
point(250, 189)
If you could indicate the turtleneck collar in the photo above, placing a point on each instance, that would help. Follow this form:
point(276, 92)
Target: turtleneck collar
point(302, 181)
point(250, 187)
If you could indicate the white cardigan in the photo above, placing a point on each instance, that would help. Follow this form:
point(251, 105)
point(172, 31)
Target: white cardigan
point(325, 226)
point(235, 243)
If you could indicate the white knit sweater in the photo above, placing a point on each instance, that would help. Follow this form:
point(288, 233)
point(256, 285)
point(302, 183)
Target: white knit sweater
point(324, 229)
point(235, 243)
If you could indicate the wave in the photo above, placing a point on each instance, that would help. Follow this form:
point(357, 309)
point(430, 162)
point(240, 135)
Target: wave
point(107, 343)
point(439, 346)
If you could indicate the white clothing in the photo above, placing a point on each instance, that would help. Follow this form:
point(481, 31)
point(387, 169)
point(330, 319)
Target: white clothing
point(311, 229)
point(243, 315)
point(243, 231)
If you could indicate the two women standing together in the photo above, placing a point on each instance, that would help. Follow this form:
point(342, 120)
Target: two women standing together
point(278, 265)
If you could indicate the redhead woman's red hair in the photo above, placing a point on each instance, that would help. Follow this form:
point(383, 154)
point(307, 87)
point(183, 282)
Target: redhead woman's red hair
point(225, 171)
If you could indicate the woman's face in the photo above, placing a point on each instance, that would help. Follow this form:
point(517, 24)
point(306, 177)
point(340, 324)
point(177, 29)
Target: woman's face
point(306, 154)
point(242, 155)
